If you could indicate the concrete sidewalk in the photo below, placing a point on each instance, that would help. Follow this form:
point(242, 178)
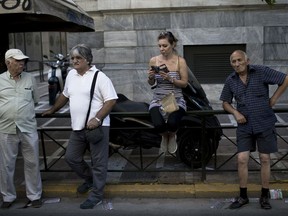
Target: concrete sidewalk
point(197, 190)
point(211, 188)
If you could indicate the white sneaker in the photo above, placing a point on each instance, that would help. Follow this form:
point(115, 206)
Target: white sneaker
point(164, 143)
point(172, 144)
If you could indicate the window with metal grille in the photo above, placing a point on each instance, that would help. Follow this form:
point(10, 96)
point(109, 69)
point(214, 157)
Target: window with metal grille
point(210, 63)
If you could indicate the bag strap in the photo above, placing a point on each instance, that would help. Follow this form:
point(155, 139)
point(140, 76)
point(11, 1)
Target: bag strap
point(178, 64)
point(91, 94)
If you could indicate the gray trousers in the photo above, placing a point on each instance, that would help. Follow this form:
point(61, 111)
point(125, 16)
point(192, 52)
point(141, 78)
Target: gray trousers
point(9, 147)
point(97, 172)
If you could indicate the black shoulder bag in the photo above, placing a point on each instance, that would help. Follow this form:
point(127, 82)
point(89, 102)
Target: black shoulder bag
point(93, 135)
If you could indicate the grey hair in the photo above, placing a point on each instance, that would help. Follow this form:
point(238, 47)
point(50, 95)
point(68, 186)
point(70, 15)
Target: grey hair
point(84, 51)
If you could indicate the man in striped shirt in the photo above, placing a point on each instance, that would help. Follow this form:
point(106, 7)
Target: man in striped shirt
point(249, 86)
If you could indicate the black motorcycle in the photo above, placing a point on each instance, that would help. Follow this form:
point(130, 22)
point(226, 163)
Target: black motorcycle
point(134, 131)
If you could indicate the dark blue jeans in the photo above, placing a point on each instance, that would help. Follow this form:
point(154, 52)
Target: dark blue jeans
point(173, 121)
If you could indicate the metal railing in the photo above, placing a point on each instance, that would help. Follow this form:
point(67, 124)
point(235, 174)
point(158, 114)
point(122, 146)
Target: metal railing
point(203, 114)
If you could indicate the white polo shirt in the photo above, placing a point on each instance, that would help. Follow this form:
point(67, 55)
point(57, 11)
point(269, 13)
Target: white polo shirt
point(77, 89)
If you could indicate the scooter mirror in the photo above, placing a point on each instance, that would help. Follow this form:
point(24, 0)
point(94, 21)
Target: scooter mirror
point(60, 56)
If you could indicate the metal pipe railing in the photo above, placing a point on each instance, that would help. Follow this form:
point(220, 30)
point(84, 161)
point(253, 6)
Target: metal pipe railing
point(202, 114)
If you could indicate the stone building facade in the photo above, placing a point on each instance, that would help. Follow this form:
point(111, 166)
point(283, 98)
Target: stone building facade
point(126, 31)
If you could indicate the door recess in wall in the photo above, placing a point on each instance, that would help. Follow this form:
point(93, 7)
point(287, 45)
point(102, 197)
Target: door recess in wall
point(210, 63)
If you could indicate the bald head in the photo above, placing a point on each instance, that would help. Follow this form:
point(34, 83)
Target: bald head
point(239, 61)
point(239, 52)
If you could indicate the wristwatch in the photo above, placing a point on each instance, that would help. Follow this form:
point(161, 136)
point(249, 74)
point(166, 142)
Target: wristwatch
point(98, 120)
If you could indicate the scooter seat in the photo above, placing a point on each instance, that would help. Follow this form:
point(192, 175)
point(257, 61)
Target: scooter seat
point(123, 104)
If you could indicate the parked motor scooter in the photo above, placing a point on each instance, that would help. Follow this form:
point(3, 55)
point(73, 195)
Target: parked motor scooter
point(57, 74)
point(132, 132)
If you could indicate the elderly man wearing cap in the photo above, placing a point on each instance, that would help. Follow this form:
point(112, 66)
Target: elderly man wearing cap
point(18, 128)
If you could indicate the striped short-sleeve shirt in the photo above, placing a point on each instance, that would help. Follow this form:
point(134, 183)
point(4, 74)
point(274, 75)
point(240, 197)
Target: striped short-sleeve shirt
point(252, 99)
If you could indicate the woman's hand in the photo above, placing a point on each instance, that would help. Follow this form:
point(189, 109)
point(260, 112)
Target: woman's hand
point(151, 74)
point(165, 76)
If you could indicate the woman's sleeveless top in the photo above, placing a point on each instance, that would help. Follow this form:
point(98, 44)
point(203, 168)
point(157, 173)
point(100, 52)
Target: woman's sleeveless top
point(164, 87)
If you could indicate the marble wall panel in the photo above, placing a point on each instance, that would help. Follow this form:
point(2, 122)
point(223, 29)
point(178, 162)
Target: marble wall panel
point(120, 39)
point(232, 35)
point(143, 54)
point(212, 35)
point(92, 39)
point(266, 17)
point(140, 4)
point(122, 81)
point(206, 19)
point(124, 66)
point(276, 34)
point(120, 55)
point(148, 38)
point(142, 90)
point(98, 57)
point(88, 5)
point(276, 52)
point(119, 22)
point(255, 52)
point(98, 22)
point(157, 21)
point(132, 83)
point(113, 4)
point(254, 34)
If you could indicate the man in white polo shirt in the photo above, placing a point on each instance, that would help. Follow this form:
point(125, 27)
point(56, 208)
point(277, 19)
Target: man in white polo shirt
point(77, 92)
